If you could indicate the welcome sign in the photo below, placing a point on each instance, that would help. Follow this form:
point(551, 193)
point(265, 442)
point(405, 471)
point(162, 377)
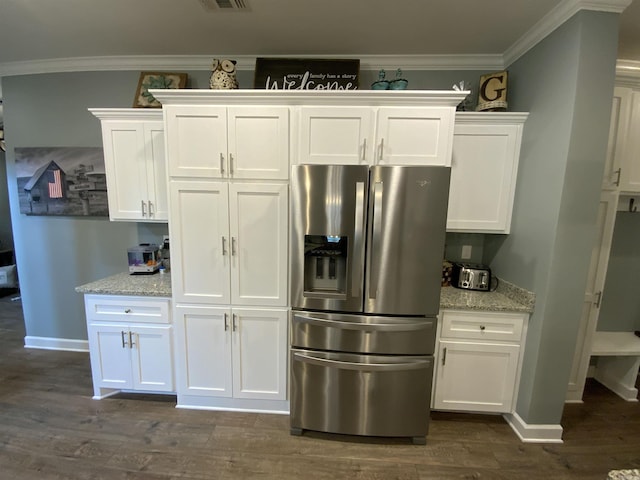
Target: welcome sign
point(306, 74)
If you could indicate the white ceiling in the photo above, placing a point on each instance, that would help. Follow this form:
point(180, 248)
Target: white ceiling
point(45, 35)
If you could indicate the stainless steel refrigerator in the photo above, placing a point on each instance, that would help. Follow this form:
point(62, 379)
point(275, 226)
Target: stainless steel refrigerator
point(367, 247)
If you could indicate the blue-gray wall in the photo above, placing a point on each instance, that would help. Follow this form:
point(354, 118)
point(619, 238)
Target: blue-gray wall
point(566, 83)
point(55, 254)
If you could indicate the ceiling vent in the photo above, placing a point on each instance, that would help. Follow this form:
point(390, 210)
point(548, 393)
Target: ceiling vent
point(225, 5)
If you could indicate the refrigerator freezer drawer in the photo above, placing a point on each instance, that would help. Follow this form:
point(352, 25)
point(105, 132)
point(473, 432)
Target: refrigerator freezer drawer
point(351, 394)
point(363, 333)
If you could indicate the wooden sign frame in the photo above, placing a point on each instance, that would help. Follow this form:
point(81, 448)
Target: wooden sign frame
point(306, 74)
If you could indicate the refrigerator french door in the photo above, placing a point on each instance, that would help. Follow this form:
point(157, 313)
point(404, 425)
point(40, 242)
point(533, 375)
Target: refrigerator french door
point(367, 248)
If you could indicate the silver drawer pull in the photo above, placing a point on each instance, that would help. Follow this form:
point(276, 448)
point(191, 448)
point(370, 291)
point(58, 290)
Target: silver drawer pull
point(325, 362)
point(401, 327)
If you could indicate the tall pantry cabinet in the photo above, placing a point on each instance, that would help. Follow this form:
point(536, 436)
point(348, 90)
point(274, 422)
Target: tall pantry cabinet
point(228, 223)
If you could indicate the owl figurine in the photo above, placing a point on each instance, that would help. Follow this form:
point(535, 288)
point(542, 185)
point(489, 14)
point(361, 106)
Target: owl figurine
point(223, 75)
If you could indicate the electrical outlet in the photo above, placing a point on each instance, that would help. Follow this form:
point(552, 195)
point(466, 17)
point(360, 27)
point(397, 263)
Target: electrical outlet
point(466, 252)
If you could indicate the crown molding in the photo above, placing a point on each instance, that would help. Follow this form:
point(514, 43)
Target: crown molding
point(244, 62)
point(556, 17)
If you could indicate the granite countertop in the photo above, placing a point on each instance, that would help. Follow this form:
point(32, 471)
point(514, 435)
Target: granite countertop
point(506, 298)
point(155, 285)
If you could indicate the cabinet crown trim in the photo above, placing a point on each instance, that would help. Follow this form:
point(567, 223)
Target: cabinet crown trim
point(491, 118)
point(442, 98)
point(126, 113)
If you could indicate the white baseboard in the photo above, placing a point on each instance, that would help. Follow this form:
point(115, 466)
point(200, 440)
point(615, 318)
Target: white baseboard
point(626, 392)
point(47, 343)
point(536, 433)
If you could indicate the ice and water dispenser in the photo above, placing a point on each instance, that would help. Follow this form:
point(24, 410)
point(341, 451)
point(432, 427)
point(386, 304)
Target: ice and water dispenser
point(325, 264)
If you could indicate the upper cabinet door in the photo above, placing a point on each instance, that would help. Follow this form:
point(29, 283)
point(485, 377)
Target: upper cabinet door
point(630, 175)
point(618, 130)
point(200, 243)
point(483, 177)
point(158, 204)
point(336, 135)
point(414, 136)
point(258, 216)
point(126, 168)
point(197, 141)
point(258, 142)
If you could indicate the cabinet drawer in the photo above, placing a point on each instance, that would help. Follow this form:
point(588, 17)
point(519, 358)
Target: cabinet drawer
point(482, 325)
point(127, 309)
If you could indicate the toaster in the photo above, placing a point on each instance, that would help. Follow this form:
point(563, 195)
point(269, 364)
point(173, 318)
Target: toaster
point(471, 276)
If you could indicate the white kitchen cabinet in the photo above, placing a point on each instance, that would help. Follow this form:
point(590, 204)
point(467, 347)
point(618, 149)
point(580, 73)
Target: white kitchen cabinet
point(234, 352)
point(630, 167)
point(478, 361)
point(130, 344)
point(622, 165)
point(336, 135)
point(484, 167)
point(135, 164)
point(375, 136)
point(241, 142)
point(229, 243)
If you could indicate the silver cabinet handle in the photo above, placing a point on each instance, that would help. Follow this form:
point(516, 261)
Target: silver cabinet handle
point(226, 322)
point(598, 299)
point(151, 212)
point(364, 150)
point(131, 343)
point(128, 310)
point(235, 322)
point(444, 355)
point(230, 164)
point(221, 164)
point(233, 246)
point(482, 328)
point(380, 152)
point(144, 211)
point(123, 342)
point(224, 246)
point(617, 172)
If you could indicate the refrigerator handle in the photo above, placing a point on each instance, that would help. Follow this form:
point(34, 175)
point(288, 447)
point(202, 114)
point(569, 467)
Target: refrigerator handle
point(376, 213)
point(358, 240)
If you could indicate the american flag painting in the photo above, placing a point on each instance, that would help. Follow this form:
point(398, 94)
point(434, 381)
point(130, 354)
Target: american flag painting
point(61, 181)
point(55, 187)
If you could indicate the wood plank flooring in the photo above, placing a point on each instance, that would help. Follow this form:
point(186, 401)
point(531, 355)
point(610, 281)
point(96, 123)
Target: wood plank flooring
point(50, 428)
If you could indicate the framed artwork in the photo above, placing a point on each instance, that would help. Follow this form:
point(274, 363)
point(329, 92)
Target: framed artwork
point(306, 74)
point(144, 99)
point(62, 181)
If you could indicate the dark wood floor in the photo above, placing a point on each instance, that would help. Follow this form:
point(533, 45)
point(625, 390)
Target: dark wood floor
point(50, 428)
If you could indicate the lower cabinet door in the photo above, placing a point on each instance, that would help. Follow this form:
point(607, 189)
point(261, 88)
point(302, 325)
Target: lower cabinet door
point(152, 357)
point(478, 377)
point(203, 343)
point(110, 356)
point(259, 353)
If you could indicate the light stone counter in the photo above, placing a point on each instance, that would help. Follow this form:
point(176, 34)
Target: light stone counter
point(156, 285)
point(506, 298)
